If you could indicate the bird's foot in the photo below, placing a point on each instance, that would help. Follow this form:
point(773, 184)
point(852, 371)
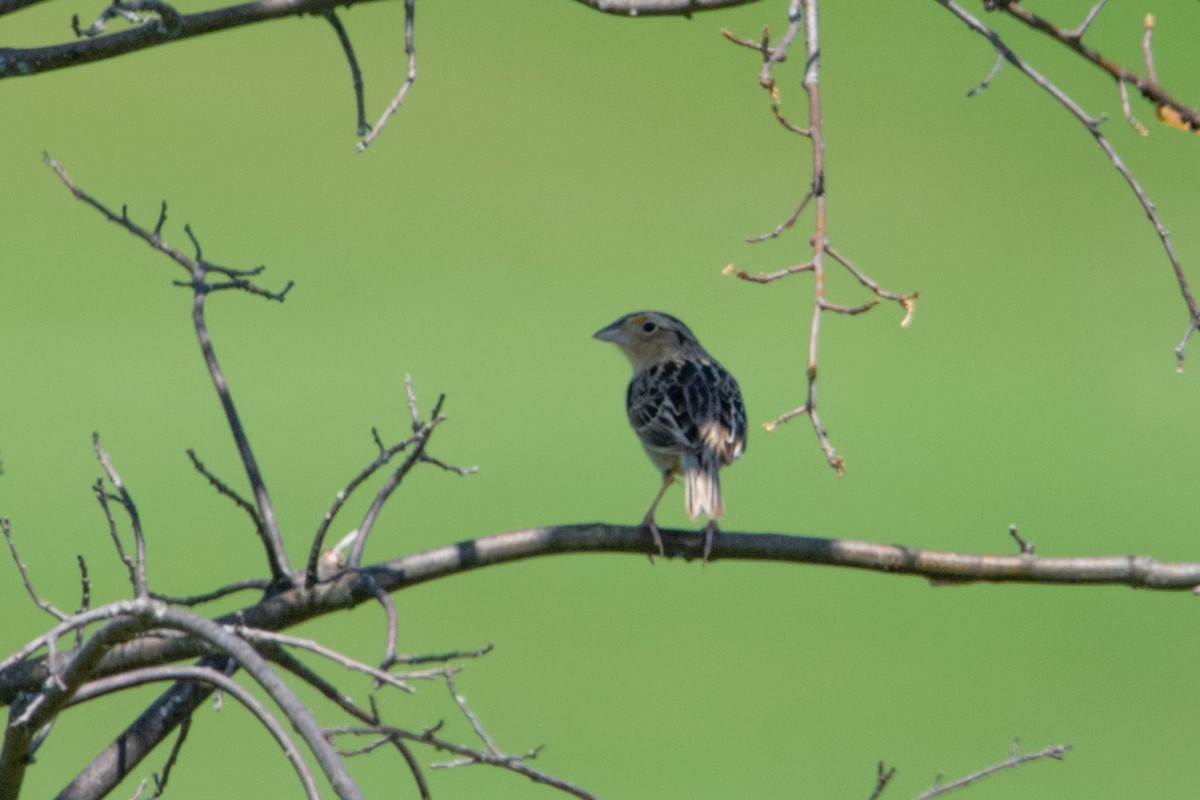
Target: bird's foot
point(709, 530)
point(648, 522)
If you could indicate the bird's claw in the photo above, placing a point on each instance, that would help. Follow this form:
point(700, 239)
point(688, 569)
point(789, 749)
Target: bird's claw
point(709, 530)
point(648, 523)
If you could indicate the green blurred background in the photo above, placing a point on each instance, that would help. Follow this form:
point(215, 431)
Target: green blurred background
point(553, 169)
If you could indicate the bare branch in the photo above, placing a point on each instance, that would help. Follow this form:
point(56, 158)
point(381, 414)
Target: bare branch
point(297, 605)
point(172, 708)
point(1091, 124)
point(19, 62)
point(160, 779)
point(991, 76)
point(294, 709)
point(44, 605)
point(409, 79)
point(138, 567)
point(382, 677)
point(443, 657)
point(1187, 334)
point(297, 668)
point(468, 755)
point(883, 777)
point(1147, 87)
point(767, 277)
point(803, 15)
point(1147, 52)
point(476, 725)
point(355, 73)
point(354, 557)
point(226, 490)
point(787, 223)
point(260, 584)
point(420, 434)
point(648, 8)
point(1015, 759)
point(198, 270)
point(85, 596)
point(115, 683)
point(1078, 33)
point(1026, 548)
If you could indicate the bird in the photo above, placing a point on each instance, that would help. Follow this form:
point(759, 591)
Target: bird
point(686, 409)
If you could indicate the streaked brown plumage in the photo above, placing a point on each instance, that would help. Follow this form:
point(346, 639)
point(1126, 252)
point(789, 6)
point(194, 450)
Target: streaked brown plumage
point(685, 408)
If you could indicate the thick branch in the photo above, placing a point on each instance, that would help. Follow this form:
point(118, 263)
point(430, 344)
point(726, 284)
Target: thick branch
point(225, 684)
point(18, 62)
point(349, 590)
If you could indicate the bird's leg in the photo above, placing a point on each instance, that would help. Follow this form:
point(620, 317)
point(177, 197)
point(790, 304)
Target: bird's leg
point(709, 530)
point(648, 520)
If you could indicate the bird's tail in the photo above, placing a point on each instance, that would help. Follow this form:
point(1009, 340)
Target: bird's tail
point(702, 487)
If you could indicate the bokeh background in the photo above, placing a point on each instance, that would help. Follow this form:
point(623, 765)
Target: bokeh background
point(553, 169)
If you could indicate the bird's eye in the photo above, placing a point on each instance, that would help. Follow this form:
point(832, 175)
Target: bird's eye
point(649, 327)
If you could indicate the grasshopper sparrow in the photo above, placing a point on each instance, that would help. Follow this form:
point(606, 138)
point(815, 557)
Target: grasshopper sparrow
point(685, 408)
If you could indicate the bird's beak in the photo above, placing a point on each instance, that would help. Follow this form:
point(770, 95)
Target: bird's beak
point(612, 333)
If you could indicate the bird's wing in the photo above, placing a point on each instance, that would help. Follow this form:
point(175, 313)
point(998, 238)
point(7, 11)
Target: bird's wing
point(660, 408)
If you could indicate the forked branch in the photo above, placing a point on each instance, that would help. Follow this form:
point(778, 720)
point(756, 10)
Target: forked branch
point(1092, 124)
point(199, 271)
point(803, 15)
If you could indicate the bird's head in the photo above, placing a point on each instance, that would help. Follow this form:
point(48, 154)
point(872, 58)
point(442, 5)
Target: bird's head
point(649, 337)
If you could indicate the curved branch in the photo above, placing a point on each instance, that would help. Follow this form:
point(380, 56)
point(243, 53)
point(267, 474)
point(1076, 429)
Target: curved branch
point(19, 62)
point(219, 680)
point(1093, 127)
point(296, 711)
point(350, 589)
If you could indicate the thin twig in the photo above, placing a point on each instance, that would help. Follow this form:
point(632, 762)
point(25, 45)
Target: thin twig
point(385, 455)
point(355, 73)
point(300, 670)
point(987, 79)
point(1026, 548)
point(225, 489)
point(462, 472)
point(354, 557)
point(1147, 51)
point(138, 567)
point(409, 80)
point(444, 657)
point(1015, 759)
point(380, 676)
point(1078, 33)
point(44, 605)
point(102, 497)
point(160, 779)
point(787, 223)
point(476, 725)
point(883, 777)
point(259, 584)
point(468, 755)
point(1179, 349)
point(767, 277)
point(1127, 110)
point(393, 624)
point(85, 596)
